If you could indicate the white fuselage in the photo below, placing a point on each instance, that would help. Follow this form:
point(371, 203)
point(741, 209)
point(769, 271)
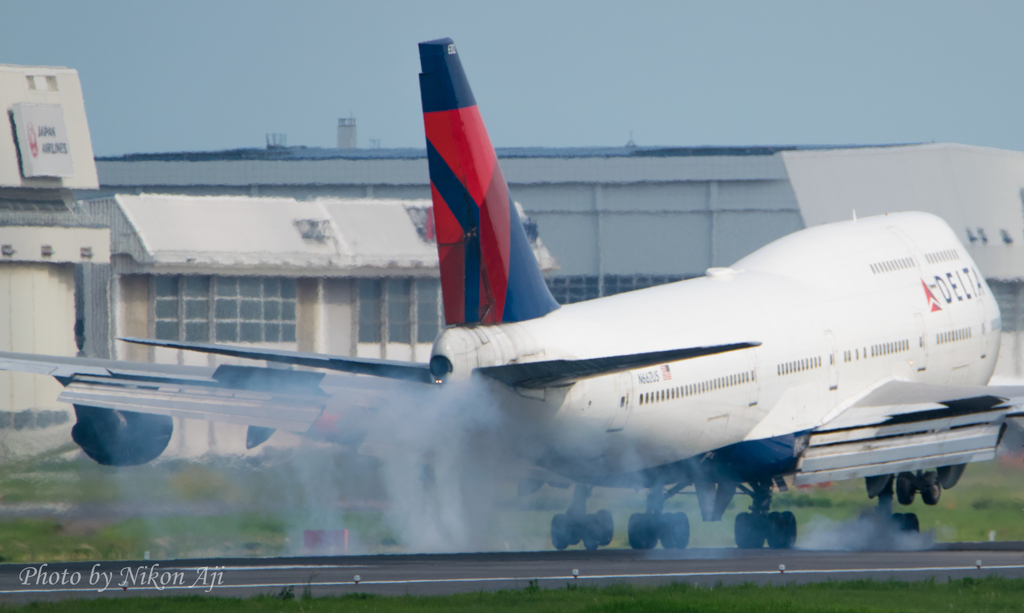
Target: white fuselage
point(838, 309)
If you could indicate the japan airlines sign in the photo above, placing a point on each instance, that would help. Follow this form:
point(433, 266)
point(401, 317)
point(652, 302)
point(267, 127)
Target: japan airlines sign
point(42, 140)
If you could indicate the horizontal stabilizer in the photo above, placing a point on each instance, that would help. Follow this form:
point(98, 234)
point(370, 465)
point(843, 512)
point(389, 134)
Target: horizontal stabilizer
point(391, 369)
point(553, 373)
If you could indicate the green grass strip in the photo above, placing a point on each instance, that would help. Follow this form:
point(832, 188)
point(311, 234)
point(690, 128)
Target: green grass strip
point(976, 595)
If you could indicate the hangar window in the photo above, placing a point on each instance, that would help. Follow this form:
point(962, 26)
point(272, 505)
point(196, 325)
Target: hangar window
point(408, 310)
point(51, 83)
point(196, 291)
point(370, 295)
point(30, 81)
point(399, 300)
point(254, 309)
point(428, 320)
point(167, 316)
point(245, 309)
point(577, 288)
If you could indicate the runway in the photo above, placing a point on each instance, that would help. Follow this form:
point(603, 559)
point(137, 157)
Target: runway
point(451, 573)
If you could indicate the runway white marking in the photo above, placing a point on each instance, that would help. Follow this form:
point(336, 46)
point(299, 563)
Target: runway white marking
point(296, 567)
point(536, 578)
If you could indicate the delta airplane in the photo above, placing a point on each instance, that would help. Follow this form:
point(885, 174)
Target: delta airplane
point(852, 350)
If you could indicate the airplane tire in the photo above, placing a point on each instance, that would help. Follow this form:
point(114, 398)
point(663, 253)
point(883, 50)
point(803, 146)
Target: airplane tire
point(674, 530)
point(642, 531)
point(597, 529)
point(749, 531)
point(905, 490)
point(930, 495)
point(605, 525)
point(910, 523)
point(561, 531)
point(781, 530)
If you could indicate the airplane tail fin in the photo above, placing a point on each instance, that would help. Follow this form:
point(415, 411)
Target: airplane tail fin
point(488, 271)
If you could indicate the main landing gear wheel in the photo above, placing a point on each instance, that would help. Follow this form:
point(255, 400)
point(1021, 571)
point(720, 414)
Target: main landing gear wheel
point(781, 530)
point(646, 529)
point(931, 491)
point(672, 529)
point(643, 530)
point(750, 530)
point(926, 482)
point(906, 522)
point(882, 487)
point(753, 529)
point(594, 529)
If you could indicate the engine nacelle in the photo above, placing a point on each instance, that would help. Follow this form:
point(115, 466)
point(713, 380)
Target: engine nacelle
point(121, 438)
point(459, 350)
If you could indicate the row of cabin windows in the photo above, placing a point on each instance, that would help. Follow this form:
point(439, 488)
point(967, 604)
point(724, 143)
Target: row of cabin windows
point(947, 255)
point(952, 336)
point(693, 389)
point(892, 265)
point(878, 350)
point(788, 368)
point(889, 348)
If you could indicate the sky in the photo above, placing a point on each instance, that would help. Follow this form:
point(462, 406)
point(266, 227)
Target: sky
point(210, 75)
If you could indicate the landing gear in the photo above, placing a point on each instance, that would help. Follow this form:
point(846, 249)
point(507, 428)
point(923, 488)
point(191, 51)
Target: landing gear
point(882, 487)
point(926, 482)
point(754, 528)
point(646, 529)
point(594, 529)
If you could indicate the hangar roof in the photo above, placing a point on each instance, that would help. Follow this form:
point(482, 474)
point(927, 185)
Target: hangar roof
point(979, 191)
point(240, 235)
point(324, 153)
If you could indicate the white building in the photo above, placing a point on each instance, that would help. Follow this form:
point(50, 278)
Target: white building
point(45, 242)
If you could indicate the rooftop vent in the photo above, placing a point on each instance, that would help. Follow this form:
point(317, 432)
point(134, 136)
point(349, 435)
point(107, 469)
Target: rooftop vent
point(314, 229)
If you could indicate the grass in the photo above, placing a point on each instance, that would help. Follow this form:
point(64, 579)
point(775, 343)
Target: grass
point(257, 507)
point(976, 595)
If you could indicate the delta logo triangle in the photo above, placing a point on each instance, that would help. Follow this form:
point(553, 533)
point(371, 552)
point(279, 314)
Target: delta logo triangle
point(931, 297)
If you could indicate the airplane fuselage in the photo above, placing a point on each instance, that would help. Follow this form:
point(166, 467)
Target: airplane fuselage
point(838, 309)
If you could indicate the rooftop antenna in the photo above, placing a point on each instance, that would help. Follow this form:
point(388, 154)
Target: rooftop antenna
point(631, 144)
point(276, 140)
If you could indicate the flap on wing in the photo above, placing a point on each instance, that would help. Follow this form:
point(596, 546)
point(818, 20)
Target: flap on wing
point(391, 369)
point(552, 373)
point(904, 426)
point(290, 411)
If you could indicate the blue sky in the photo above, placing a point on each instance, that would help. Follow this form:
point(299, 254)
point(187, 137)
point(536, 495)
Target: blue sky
point(207, 75)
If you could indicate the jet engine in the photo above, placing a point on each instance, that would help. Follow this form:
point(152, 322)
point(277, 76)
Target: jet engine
point(120, 438)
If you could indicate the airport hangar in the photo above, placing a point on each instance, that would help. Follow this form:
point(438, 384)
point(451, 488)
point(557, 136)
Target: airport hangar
point(621, 218)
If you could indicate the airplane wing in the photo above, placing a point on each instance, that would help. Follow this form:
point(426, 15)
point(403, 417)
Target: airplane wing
point(275, 398)
point(902, 426)
point(391, 369)
point(552, 373)
point(261, 397)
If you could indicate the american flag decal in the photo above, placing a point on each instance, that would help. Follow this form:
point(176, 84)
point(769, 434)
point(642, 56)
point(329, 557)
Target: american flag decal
point(666, 374)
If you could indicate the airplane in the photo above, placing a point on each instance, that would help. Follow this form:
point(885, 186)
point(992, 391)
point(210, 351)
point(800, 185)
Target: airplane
point(852, 350)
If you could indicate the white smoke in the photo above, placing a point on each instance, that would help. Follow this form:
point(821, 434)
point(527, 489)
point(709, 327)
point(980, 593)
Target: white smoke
point(443, 470)
point(865, 533)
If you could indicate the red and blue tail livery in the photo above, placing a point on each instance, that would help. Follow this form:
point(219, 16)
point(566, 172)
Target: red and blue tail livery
point(488, 271)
